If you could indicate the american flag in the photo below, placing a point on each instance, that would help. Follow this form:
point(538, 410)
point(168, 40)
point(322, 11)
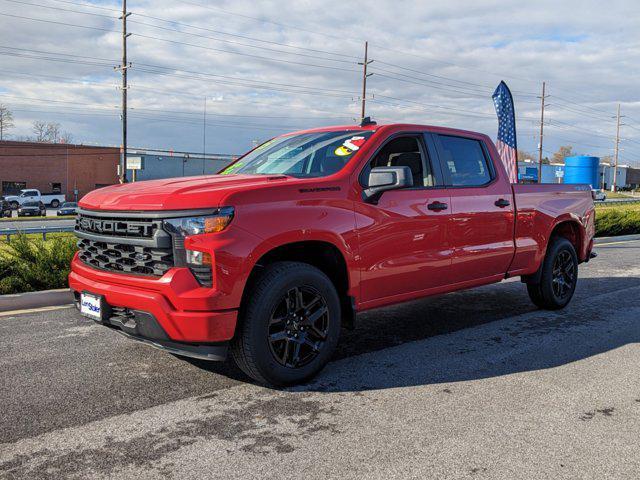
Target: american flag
point(506, 144)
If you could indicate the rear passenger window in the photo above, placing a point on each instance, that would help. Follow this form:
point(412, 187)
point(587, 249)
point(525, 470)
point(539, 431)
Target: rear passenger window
point(465, 161)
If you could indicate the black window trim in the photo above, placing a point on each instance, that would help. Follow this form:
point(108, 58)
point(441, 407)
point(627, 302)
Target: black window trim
point(426, 152)
point(445, 169)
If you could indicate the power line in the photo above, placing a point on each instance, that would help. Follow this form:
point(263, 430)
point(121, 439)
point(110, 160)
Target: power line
point(88, 5)
point(112, 17)
point(279, 60)
point(66, 24)
point(246, 37)
point(291, 88)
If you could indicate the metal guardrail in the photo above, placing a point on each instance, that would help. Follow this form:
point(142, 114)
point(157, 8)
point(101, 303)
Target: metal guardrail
point(617, 201)
point(622, 200)
point(8, 232)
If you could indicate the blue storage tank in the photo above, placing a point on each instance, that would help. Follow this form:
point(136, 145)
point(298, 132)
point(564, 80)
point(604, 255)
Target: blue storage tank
point(581, 169)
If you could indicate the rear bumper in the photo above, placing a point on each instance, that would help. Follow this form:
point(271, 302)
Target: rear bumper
point(183, 310)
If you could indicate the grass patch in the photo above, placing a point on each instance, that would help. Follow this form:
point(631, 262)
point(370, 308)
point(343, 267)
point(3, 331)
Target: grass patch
point(612, 221)
point(29, 264)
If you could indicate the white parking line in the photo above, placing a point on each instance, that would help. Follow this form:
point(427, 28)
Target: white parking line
point(613, 243)
point(12, 313)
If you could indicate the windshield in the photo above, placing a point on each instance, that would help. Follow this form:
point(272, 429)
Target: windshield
point(304, 155)
point(69, 205)
point(31, 204)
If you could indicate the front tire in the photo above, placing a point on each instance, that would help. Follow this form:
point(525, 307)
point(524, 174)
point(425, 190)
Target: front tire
point(290, 325)
point(558, 278)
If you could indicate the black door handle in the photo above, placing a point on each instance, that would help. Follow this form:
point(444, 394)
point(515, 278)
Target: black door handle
point(502, 203)
point(437, 206)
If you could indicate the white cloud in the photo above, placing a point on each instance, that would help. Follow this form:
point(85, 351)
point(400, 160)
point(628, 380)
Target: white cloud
point(587, 51)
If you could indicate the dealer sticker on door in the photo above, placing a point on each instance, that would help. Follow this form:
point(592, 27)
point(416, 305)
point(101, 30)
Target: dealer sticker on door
point(90, 306)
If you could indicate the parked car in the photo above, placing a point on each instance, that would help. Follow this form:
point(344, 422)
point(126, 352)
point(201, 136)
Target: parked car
point(68, 208)
point(5, 208)
point(32, 195)
point(270, 258)
point(32, 209)
point(599, 195)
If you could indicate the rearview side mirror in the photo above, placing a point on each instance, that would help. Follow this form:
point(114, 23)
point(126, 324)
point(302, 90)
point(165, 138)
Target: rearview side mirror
point(382, 179)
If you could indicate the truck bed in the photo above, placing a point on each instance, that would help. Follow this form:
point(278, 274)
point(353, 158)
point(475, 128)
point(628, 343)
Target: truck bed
point(540, 207)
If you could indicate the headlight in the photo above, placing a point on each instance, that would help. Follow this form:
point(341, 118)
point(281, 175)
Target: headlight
point(186, 226)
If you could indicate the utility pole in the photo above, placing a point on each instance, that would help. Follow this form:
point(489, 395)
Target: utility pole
point(614, 186)
point(541, 133)
point(123, 68)
point(364, 78)
point(204, 133)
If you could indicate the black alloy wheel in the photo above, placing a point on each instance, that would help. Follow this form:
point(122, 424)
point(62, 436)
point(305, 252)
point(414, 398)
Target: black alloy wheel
point(289, 324)
point(298, 327)
point(558, 276)
point(563, 275)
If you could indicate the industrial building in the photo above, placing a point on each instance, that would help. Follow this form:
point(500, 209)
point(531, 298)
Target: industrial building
point(75, 170)
point(154, 164)
point(56, 167)
point(581, 169)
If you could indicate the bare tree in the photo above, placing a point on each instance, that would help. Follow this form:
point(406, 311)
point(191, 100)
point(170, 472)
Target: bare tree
point(39, 129)
point(562, 153)
point(6, 120)
point(66, 137)
point(53, 132)
point(522, 155)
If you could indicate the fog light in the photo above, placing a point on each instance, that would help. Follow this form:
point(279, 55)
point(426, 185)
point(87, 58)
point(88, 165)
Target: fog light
point(198, 258)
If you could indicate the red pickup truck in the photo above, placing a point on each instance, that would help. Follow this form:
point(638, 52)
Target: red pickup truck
point(270, 257)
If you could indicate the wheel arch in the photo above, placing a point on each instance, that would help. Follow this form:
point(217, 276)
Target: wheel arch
point(323, 254)
point(566, 227)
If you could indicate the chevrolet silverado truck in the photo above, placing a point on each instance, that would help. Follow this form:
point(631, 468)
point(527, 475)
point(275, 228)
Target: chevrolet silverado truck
point(31, 195)
point(268, 259)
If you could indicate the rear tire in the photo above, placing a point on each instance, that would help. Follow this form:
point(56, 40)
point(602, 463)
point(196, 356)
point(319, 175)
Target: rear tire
point(290, 325)
point(15, 205)
point(558, 278)
point(55, 204)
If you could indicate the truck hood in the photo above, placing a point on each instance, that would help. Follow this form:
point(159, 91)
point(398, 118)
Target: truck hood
point(175, 193)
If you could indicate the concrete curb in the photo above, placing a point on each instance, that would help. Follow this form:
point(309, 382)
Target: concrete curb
point(621, 238)
point(44, 298)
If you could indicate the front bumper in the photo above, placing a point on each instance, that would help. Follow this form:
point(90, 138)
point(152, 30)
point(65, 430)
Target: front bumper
point(183, 310)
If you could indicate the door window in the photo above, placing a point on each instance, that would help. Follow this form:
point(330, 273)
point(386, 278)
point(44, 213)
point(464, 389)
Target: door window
point(464, 161)
point(405, 152)
point(13, 188)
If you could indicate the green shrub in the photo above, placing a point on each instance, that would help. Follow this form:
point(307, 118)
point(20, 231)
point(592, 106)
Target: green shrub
point(617, 221)
point(31, 264)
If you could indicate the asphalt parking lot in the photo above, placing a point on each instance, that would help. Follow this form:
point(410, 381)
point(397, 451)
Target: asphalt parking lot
point(476, 384)
point(35, 222)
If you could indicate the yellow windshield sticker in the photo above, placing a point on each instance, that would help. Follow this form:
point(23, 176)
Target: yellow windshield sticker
point(264, 145)
point(349, 146)
point(232, 168)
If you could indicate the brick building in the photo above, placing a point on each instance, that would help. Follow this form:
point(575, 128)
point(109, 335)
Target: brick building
point(56, 167)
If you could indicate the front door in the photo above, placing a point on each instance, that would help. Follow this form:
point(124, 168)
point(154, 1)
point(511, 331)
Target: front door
point(403, 247)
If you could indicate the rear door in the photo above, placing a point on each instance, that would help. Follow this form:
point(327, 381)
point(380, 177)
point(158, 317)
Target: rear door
point(481, 229)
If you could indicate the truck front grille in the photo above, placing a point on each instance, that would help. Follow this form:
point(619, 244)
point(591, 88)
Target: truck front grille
point(126, 258)
point(135, 245)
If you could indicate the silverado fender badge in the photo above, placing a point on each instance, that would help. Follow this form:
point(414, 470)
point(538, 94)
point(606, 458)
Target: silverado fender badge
point(320, 189)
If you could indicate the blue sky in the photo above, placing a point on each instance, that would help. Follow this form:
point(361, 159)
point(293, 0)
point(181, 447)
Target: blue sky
point(273, 66)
